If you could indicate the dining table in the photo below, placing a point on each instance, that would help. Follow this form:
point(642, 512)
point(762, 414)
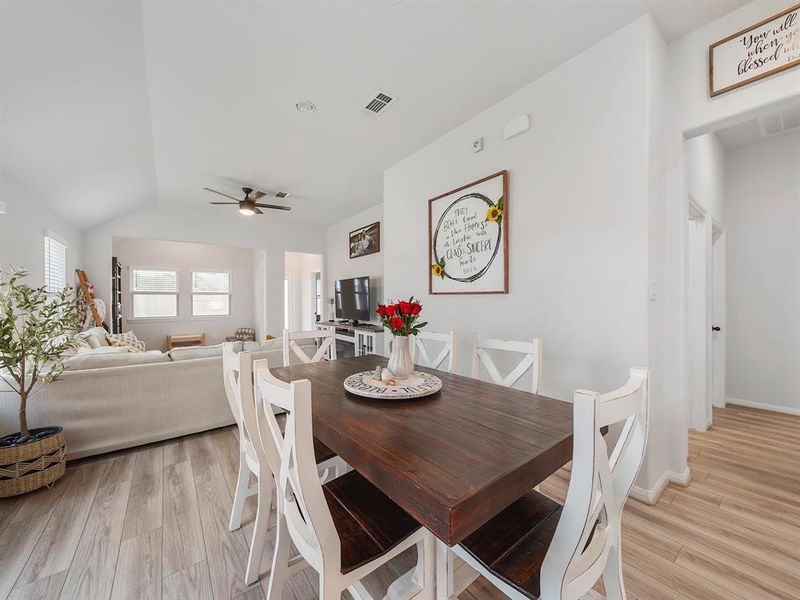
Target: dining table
point(452, 460)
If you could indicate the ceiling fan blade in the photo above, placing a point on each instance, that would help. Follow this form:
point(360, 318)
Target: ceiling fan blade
point(274, 206)
point(223, 203)
point(256, 195)
point(258, 212)
point(221, 194)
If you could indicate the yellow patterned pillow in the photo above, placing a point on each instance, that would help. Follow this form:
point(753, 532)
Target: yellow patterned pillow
point(127, 339)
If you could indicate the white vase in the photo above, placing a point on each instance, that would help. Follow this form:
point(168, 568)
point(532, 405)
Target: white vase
point(400, 363)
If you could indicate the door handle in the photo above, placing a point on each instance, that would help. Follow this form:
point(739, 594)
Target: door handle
point(715, 328)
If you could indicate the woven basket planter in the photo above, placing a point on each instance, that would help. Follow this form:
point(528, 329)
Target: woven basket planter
point(27, 467)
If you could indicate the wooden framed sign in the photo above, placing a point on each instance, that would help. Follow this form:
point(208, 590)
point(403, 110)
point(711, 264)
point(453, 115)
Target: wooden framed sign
point(468, 238)
point(766, 48)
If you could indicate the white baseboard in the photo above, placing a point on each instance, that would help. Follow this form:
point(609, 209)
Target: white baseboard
point(788, 410)
point(651, 496)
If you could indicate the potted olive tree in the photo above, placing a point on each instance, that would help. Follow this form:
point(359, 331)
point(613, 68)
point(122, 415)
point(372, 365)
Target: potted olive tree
point(36, 329)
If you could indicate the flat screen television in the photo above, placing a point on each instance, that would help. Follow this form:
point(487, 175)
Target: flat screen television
point(352, 299)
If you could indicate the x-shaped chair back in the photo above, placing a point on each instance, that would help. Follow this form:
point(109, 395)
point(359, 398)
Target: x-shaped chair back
point(326, 338)
point(586, 544)
point(299, 489)
point(419, 352)
point(531, 361)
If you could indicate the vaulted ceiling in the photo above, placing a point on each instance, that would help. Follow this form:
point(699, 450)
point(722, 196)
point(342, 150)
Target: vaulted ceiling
point(108, 107)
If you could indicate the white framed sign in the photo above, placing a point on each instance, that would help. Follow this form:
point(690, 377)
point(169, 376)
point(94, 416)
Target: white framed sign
point(468, 238)
point(766, 48)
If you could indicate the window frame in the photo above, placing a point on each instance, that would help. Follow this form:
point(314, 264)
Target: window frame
point(192, 294)
point(132, 294)
point(47, 238)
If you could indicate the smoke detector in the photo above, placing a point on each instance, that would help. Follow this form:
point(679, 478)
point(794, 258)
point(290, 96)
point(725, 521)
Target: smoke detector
point(305, 106)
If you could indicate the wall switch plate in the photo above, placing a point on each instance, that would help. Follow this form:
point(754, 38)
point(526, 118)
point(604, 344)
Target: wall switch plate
point(477, 145)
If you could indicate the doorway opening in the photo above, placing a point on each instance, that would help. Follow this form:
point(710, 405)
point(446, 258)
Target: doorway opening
point(742, 248)
point(302, 293)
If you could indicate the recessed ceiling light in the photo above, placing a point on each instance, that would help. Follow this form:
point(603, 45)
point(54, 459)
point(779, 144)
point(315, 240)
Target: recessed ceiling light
point(306, 106)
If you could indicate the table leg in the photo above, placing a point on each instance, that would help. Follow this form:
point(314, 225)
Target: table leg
point(444, 572)
point(410, 583)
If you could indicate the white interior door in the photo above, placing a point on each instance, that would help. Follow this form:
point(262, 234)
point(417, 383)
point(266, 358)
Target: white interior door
point(718, 294)
point(288, 303)
point(699, 307)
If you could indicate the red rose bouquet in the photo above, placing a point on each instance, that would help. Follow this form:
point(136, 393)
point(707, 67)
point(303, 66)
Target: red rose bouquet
point(401, 318)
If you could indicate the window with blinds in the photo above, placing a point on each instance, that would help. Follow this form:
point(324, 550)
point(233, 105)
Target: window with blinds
point(211, 294)
point(55, 264)
point(154, 294)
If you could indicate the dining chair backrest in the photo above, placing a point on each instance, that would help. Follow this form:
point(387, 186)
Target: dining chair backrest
point(531, 361)
point(300, 494)
point(325, 338)
point(589, 527)
point(237, 371)
point(419, 352)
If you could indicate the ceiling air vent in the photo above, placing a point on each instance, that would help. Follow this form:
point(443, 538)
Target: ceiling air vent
point(378, 103)
point(281, 194)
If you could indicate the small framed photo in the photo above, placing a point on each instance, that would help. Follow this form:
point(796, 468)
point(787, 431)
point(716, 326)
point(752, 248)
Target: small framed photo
point(366, 240)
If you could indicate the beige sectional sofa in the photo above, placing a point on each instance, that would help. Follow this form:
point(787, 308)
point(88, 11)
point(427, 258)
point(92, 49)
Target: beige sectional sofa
point(116, 400)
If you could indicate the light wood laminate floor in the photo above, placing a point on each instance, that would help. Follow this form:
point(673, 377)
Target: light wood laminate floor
point(151, 522)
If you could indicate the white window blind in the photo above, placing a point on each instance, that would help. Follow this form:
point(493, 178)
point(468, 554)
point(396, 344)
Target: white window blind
point(211, 294)
point(55, 264)
point(154, 293)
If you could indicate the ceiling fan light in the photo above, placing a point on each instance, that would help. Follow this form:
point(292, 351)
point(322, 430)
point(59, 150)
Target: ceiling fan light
point(247, 210)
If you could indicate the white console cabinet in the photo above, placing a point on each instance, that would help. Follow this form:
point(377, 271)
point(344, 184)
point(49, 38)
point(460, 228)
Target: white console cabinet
point(366, 339)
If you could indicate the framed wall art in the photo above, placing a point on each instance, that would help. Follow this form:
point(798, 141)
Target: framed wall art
point(468, 238)
point(366, 240)
point(766, 48)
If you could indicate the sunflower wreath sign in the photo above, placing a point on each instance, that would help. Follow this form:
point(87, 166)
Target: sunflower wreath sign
point(468, 238)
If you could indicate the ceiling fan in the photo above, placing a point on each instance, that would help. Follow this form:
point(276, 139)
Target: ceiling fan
point(250, 205)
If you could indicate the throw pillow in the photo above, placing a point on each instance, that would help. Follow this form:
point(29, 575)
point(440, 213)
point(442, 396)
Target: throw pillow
point(125, 339)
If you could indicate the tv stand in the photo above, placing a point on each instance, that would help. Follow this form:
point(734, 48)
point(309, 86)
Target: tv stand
point(364, 337)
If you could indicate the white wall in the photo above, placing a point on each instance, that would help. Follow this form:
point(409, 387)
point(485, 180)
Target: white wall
point(339, 265)
point(187, 257)
point(763, 272)
point(664, 148)
point(301, 265)
point(705, 174)
point(273, 234)
point(689, 67)
point(577, 217)
point(22, 233)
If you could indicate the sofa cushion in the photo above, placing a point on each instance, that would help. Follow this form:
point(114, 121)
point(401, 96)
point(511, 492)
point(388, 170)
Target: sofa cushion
point(273, 344)
point(112, 357)
point(192, 352)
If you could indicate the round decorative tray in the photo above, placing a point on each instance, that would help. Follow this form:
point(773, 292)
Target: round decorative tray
point(417, 385)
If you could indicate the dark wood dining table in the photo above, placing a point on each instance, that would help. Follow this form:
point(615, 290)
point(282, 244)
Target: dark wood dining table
point(452, 460)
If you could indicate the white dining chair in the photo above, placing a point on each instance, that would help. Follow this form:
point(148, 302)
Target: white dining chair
point(238, 380)
point(537, 548)
point(312, 515)
point(325, 341)
point(420, 355)
point(531, 361)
